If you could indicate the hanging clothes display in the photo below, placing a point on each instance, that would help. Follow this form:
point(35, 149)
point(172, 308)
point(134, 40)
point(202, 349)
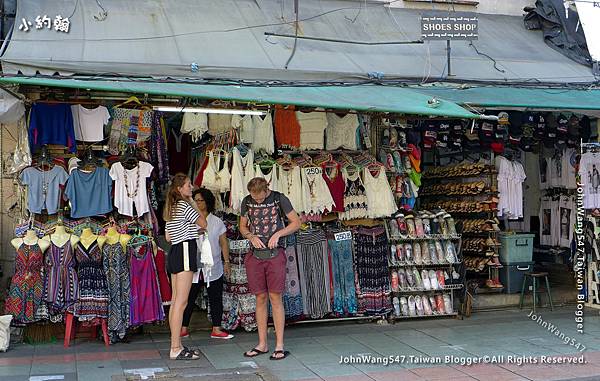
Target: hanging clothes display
point(88, 124)
point(239, 305)
point(43, 188)
point(312, 128)
point(180, 146)
point(511, 176)
point(89, 193)
point(336, 185)
point(372, 274)
point(263, 134)
point(116, 268)
point(241, 174)
point(61, 286)
point(131, 188)
point(245, 126)
point(341, 131)
point(290, 184)
point(164, 285)
point(93, 290)
point(217, 179)
point(26, 287)
point(589, 172)
point(195, 124)
point(292, 297)
point(219, 123)
point(51, 124)
point(316, 197)
point(271, 176)
point(158, 148)
point(287, 128)
point(313, 266)
point(146, 302)
point(381, 201)
point(355, 197)
point(342, 265)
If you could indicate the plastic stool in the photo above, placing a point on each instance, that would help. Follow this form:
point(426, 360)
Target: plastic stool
point(535, 281)
point(70, 331)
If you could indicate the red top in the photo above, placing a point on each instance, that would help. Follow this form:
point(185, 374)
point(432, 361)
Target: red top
point(337, 187)
point(287, 128)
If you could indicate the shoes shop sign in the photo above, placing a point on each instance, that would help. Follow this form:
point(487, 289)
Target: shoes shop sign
point(449, 26)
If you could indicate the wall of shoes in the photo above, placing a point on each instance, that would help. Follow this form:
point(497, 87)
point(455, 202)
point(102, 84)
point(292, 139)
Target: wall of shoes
point(469, 191)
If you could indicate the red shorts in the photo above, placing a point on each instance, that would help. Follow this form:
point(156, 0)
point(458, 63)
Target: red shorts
point(266, 275)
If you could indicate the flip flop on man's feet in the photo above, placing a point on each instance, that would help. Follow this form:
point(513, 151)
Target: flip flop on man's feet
point(254, 352)
point(279, 355)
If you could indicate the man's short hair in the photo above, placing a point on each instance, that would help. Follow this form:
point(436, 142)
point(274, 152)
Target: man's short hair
point(258, 184)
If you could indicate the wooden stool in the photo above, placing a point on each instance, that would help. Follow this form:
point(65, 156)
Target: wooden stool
point(535, 281)
point(70, 330)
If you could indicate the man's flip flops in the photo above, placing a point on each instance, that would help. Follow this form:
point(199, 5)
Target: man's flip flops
point(257, 352)
point(274, 356)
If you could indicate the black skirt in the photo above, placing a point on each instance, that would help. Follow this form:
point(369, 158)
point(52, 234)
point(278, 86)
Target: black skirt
point(182, 257)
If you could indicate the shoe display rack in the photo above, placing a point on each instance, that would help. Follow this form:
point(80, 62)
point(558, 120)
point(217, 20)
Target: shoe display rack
point(423, 261)
point(469, 191)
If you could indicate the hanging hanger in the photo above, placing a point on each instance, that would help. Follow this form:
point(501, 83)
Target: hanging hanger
point(129, 160)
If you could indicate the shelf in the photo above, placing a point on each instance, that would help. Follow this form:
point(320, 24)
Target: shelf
point(480, 234)
point(457, 195)
point(426, 238)
point(393, 317)
point(445, 288)
point(486, 290)
point(402, 265)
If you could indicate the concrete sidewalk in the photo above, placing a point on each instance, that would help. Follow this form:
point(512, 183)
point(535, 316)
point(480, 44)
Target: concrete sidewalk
point(317, 349)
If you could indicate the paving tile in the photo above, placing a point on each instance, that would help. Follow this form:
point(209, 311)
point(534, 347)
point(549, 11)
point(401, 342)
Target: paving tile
point(543, 374)
point(14, 378)
point(317, 358)
point(148, 363)
point(14, 361)
point(579, 370)
point(139, 355)
point(54, 359)
point(501, 377)
point(99, 356)
point(37, 369)
point(481, 369)
point(329, 370)
point(52, 376)
point(437, 373)
point(404, 375)
point(294, 374)
point(357, 377)
point(15, 370)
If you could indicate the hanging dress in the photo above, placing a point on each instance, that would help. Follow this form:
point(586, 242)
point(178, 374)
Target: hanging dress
point(263, 134)
point(163, 278)
point(61, 286)
point(26, 287)
point(241, 174)
point(290, 184)
point(355, 198)
point(116, 268)
point(216, 179)
point(313, 266)
point(239, 304)
point(146, 302)
point(93, 290)
point(381, 201)
point(271, 177)
point(315, 193)
point(336, 186)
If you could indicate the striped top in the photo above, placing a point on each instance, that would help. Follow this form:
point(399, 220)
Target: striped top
point(182, 226)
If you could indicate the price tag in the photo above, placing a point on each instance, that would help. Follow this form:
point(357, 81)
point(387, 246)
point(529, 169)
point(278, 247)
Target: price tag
point(243, 244)
point(343, 236)
point(314, 171)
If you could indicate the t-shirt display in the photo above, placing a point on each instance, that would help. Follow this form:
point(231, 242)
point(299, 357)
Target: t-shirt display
point(589, 171)
point(89, 123)
point(312, 128)
point(43, 188)
point(130, 188)
point(89, 193)
point(51, 124)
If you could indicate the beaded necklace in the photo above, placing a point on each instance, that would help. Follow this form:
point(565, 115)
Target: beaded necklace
point(137, 183)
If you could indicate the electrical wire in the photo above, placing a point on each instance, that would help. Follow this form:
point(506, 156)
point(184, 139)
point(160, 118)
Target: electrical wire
point(297, 11)
point(487, 56)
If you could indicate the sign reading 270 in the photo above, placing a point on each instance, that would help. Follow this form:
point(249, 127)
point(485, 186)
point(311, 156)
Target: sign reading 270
point(449, 26)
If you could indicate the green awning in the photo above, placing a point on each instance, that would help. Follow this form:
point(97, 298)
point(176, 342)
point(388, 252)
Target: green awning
point(534, 98)
point(359, 97)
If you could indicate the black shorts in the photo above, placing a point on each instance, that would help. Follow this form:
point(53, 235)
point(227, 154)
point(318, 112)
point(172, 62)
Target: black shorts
point(182, 257)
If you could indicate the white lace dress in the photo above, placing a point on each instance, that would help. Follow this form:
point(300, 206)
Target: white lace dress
point(316, 197)
point(290, 184)
point(380, 198)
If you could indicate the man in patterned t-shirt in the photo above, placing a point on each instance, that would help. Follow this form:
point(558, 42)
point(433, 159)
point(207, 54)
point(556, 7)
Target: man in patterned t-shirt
point(262, 222)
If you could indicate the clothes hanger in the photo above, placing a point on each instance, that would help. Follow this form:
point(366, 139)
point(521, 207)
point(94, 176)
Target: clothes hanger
point(129, 160)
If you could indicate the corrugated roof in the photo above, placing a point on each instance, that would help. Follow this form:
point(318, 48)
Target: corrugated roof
point(225, 38)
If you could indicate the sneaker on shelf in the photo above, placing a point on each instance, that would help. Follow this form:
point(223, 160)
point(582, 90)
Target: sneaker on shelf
point(455, 275)
point(418, 257)
point(396, 303)
point(404, 306)
point(410, 278)
point(441, 278)
point(441, 257)
point(489, 283)
point(408, 253)
point(425, 258)
point(426, 305)
point(497, 283)
point(418, 280)
point(412, 307)
point(401, 220)
point(389, 162)
point(393, 137)
point(426, 281)
point(402, 283)
point(393, 227)
point(221, 335)
point(426, 223)
point(419, 305)
point(432, 252)
point(450, 252)
point(393, 255)
point(443, 226)
point(394, 281)
point(448, 304)
point(420, 230)
point(433, 305)
point(433, 280)
point(400, 255)
point(410, 225)
point(439, 304)
point(451, 224)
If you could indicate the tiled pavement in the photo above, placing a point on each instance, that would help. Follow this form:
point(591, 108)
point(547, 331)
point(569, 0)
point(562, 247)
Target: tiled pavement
point(316, 350)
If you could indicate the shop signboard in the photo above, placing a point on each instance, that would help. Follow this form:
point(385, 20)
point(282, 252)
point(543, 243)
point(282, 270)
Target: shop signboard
point(438, 25)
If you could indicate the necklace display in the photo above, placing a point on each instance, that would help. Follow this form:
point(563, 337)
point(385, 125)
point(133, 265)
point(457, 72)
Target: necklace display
point(137, 183)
